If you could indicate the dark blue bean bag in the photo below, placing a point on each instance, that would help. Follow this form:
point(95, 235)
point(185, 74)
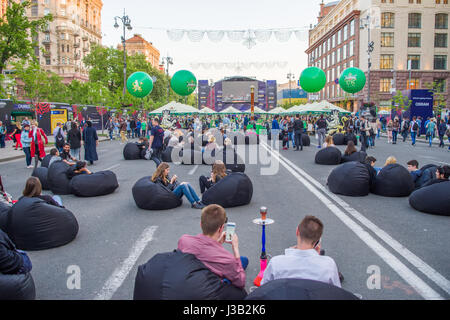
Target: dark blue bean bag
point(17, 287)
point(428, 173)
point(41, 173)
point(393, 181)
point(236, 189)
point(339, 139)
point(328, 156)
point(359, 156)
point(93, 185)
point(45, 162)
point(152, 196)
point(306, 141)
point(57, 178)
point(350, 179)
point(131, 151)
point(181, 276)
point(434, 199)
point(4, 209)
point(350, 137)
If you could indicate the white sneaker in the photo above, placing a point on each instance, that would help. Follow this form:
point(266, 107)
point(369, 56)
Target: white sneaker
point(30, 167)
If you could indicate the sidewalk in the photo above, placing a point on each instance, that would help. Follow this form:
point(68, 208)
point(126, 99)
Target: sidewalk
point(420, 139)
point(9, 153)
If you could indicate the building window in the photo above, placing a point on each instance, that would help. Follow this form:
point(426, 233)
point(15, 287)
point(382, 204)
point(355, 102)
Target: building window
point(350, 64)
point(345, 37)
point(46, 11)
point(36, 51)
point(387, 20)
point(47, 37)
point(352, 28)
point(440, 62)
point(344, 53)
point(62, 48)
point(333, 58)
point(441, 21)
point(68, 48)
point(414, 20)
point(47, 61)
point(413, 40)
point(387, 39)
point(440, 40)
point(386, 61)
point(352, 47)
point(338, 41)
point(34, 8)
point(385, 84)
point(329, 43)
point(413, 83)
point(413, 62)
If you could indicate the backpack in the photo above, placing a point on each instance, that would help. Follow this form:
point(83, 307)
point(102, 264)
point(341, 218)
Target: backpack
point(415, 126)
point(59, 139)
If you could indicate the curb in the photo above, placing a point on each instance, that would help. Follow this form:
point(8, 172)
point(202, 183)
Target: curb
point(46, 150)
point(399, 137)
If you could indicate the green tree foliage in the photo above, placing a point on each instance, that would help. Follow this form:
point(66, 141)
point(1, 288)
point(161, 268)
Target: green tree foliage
point(400, 101)
point(437, 89)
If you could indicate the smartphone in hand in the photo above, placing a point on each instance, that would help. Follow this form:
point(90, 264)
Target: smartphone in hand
point(229, 232)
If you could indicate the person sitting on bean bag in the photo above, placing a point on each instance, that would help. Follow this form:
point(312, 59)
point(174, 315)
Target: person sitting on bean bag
point(390, 160)
point(56, 156)
point(79, 168)
point(370, 165)
point(329, 142)
point(33, 189)
point(413, 168)
point(161, 177)
point(5, 197)
point(143, 145)
point(219, 171)
point(351, 149)
point(442, 175)
point(12, 260)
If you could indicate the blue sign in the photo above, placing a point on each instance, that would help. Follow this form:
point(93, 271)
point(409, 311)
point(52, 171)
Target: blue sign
point(421, 106)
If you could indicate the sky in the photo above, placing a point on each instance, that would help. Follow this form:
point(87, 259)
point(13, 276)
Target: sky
point(217, 15)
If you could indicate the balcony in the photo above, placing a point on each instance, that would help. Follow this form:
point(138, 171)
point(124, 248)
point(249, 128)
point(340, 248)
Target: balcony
point(85, 49)
point(46, 54)
point(76, 33)
point(76, 45)
point(46, 41)
point(85, 38)
point(64, 29)
point(77, 56)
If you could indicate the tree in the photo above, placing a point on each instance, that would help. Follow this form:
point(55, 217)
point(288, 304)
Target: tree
point(401, 102)
point(16, 30)
point(437, 89)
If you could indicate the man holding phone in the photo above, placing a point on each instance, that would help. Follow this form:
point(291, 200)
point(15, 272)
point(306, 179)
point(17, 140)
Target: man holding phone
point(208, 246)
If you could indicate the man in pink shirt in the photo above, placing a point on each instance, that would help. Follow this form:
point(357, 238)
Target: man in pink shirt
point(207, 247)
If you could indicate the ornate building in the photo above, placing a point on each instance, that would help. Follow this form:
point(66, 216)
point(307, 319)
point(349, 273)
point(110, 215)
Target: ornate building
point(76, 26)
point(138, 45)
point(3, 6)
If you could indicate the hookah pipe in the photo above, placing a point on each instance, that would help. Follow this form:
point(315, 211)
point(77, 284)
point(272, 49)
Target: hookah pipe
point(263, 257)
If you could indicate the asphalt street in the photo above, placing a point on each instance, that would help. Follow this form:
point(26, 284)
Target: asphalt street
point(409, 248)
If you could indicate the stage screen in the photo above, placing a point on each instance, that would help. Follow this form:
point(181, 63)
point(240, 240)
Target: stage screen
point(238, 91)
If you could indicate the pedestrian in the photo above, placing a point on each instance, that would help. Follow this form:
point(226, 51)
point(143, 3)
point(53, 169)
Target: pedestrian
point(431, 127)
point(321, 130)
point(442, 128)
point(413, 128)
point(128, 129)
point(298, 131)
point(37, 143)
point(144, 128)
point(404, 128)
point(395, 130)
point(390, 128)
point(26, 143)
point(379, 125)
point(156, 141)
point(275, 129)
point(90, 140)
point(364, 128)
point(447, 133)
point(16, 135)
point(138, 128)
point(2, 134)
point(74, 139)
point(59, 138)
point(110, 128)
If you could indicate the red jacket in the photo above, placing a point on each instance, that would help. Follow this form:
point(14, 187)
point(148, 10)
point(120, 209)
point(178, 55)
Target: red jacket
point(39, 134)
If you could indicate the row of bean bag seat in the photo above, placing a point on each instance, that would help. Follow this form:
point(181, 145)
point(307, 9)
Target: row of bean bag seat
point(236, 189)
point(341, 139)
point(132, 152)
point(180, 276)
point(17, 287)
point(328, 156)
point(151, 196)
point(32, 224)
point(350, 179)
point(359, 156)
point(393, 180)
point(434, 199)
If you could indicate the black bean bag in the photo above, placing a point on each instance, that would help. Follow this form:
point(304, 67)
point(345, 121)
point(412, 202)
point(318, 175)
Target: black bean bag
point(299, 289)
point(166, 155)
point(93, 185)
point(251, 139)
point(41, 174)
point(434, 199)
point(231, 160)
point(45, 162)
point(152, 196)
point(306, 141)
point(236, 189)
point(359, 156)
point(35, 225)
point(350, 137)
point(393, 181)
point(180, 276)
point(4, 209)
point(428, 174)
point(57, 178)
point(328, 156)
point(131, 151)
point(339, 139)
point(350, 179)
point(17, 287)
point(191, 156)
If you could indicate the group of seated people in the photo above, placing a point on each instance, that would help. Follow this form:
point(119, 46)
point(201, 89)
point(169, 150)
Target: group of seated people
point(442, 174)
point(76, 167)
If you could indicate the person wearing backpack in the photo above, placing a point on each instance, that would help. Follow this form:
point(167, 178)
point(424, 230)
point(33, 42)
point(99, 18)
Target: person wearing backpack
point(58, 135)
point(431, 127)
point(413, 128)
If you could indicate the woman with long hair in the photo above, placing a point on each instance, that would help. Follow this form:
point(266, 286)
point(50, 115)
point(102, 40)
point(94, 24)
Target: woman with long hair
point(328, 142)
point(390, 160)
point(390, 129)
point(37, 149)
point(161, 177)
point(33, 189)
point(74, 139)
point(218, 172)
point(350, 148)
point(16, 135)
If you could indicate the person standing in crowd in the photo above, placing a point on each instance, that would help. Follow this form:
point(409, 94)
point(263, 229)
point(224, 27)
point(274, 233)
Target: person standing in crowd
point(110, 128)
point(138, 128)
point(208, 247)
point(390, 128)
point(26, 142)
point(395, 130)
point(133, 127)
point(275, 129)
point(2, 134)
point(413, 128)
point(74, 139)
point(447, 133)
point(404, 128)
point(90, 140)
point(156, 141)
point(26, 121)
point(419, 122)
point(431, 127)
point(304, 261)
point(364, 128)
point(128, 129)
point(298, 131)
point(321, 130)
point(123, 131)
point(144, 128)
point(441, 132)
point(59, 138)
point(37, 143)
point(16, 135)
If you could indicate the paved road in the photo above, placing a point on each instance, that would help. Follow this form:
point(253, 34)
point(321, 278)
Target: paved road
point(376, 233)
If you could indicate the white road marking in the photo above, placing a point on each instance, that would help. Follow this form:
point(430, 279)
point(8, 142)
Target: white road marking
point(410, 277)
point(113, 167)
point(193, 170)
point(120, 274)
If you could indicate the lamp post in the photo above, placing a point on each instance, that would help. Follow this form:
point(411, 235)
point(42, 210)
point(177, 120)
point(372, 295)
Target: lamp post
point(290, 77)
point(126, 22)
point(365, 23)
point(167, 61)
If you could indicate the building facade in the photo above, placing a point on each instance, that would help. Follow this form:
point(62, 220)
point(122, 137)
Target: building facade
point(76, 26)
point(410, 48)
point(138, 45)
point(3, 7)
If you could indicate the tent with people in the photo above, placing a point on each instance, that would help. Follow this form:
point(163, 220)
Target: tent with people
point(175, 108)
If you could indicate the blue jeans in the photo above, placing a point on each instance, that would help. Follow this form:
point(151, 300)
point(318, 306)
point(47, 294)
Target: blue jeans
point(27, 151)
point(244, 262)
point(291, 138)
point(2, 141)
point(58, 200)
point(378, 133)
point(27, 265)
point(188, 191)
point(430, 139)
point(413, 137)
point(394, 136)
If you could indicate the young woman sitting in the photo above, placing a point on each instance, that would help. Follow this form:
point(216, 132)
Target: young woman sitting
point(350, 148)
point(33, 189)
point(218, 172)
point(79, 168)
point(143, 145)
point(390, 160)
point(161, 177)
point(328, 142)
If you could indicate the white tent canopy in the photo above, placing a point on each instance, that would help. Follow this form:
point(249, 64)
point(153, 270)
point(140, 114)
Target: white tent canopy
point(174, 108)
point(256, 110)
point(298, 108)
point(207, 111)
point(231, 110)
point(277, 110)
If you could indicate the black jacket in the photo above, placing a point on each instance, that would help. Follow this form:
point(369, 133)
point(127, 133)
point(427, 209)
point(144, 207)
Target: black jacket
point(74, 138)
point(10, 260)
point(169, 186)
point(298, 125)
point(321, 124)
point(433, 181)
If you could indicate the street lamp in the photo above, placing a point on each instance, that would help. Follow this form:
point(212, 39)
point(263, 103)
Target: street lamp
point(126, 22)
point(290, 77)
point(167, 61)
point(365, 23)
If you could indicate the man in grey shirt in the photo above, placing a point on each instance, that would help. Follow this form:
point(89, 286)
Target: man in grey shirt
point(304, 261)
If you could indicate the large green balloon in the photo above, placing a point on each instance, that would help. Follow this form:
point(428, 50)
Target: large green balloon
point(352, 80)
point(139, 84)
point(183, 82)
point(313, 79)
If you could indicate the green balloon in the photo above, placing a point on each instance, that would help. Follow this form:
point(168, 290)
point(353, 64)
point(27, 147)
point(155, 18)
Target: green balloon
point(139, 84)
point(313, 79)
point(352, 80)
point(183, 82)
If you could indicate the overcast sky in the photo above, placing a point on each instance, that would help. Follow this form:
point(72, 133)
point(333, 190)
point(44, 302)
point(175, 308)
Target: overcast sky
point(216, 15)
